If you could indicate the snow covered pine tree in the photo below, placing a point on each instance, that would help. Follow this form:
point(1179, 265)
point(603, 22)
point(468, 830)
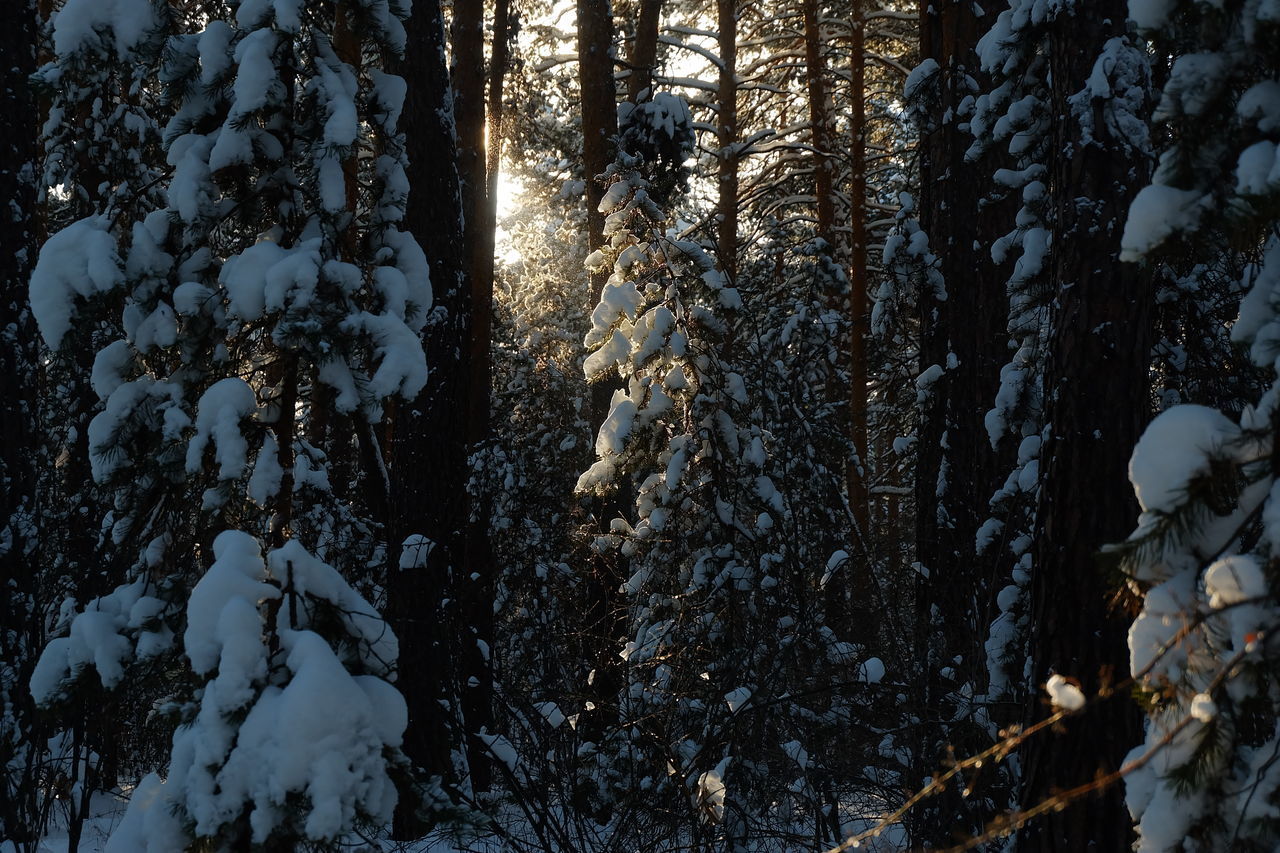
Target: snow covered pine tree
point(723, 622)
point(1206, 645)
point(270, 308)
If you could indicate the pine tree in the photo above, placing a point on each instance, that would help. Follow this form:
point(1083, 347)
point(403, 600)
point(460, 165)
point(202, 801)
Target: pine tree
point(1202, 557)
point(724, 618)
point(270, 309)
point(100, 139)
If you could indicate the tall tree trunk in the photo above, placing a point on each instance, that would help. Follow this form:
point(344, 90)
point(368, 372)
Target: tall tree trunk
point(1095, 390)
point(474, 575)
point(428, 453)
point(599, 112)
point(727, 133)
point(599, 127)
point(486, 218)
point(642, 52)
point(859, 321)
point(21, 634)
point(481, 225)
point(963, 333)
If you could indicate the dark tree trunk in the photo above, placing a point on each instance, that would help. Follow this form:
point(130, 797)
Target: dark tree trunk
point(486, 218)
point(603, 627)
point(727, 132)
point(1096, 386)
point(957, 470)
point(428, 449)
point(473, 577)
point(599, 112)
point(642, 52)
point(21, 634)
point(857, 475)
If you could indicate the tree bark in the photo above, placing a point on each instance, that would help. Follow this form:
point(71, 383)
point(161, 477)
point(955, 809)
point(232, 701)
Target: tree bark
point(22, 635)
point(859, 321)
point(642, 52)
point(1095, 390)
point(963, 333)
point(428, 452)
point(727, 133)
point(474, 580)
point(599, 127)
point(599, 112)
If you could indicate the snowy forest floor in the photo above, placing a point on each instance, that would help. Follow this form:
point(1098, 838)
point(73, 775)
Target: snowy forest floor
point(107, 809)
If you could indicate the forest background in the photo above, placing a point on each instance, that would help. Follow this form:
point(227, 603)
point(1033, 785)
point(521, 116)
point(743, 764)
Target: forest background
point(713, 426)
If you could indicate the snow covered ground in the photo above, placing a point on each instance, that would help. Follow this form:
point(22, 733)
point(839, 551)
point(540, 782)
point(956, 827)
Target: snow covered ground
point(106, 811)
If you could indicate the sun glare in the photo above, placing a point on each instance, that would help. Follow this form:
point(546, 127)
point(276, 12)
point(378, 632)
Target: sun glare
point(510, 199)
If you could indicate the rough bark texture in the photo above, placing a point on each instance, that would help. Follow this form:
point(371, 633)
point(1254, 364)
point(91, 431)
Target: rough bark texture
point(486, 217)
point(599, 127)
point(727, 131)
point(427, 456)
point(642, 51)
point(957, 470)
point(474, 573)
point(468, 76)
point(20, 629)
point(599, 112)
point(478, 699)
point(859, 320)
point(1095, 388)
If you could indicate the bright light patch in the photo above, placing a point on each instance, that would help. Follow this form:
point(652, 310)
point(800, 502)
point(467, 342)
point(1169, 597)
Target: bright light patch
point(510, 201)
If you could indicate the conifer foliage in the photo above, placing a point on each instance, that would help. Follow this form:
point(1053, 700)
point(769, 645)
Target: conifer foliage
point(270, 307)
point(1202, 557)
point(573, 498)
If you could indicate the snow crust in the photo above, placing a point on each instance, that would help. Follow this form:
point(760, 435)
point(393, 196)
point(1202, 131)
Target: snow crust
point(78, 261)
point(1063, 694)
point(77, 25)
point(221, 409)
point(1157, 213)
point(1177, 447)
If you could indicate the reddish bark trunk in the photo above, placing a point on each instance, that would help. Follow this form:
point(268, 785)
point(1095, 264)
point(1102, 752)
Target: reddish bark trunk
point(727, 131)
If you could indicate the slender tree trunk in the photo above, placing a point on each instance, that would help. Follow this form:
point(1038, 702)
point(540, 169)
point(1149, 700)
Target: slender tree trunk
point(486, 216)
point(857, 474)
point(480, 579)
point(642, 52)
point(478, 176)
point(466, 41)
point(599, 112)
point(1095, 390)
point(820, 121)
point(727, 133)
point(825, 192)
point(427, 458)
point(604, 626)
point(474, 578)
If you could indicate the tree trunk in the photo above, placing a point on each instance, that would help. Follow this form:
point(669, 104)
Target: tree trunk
point(427, 456)
point(727, 132)
point(1096, 388)
point(474, 576)
point(599, 112)
point(642, 53)
point(964, 334)
point(599, 127)
point(22, 635)
point(858, 472)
